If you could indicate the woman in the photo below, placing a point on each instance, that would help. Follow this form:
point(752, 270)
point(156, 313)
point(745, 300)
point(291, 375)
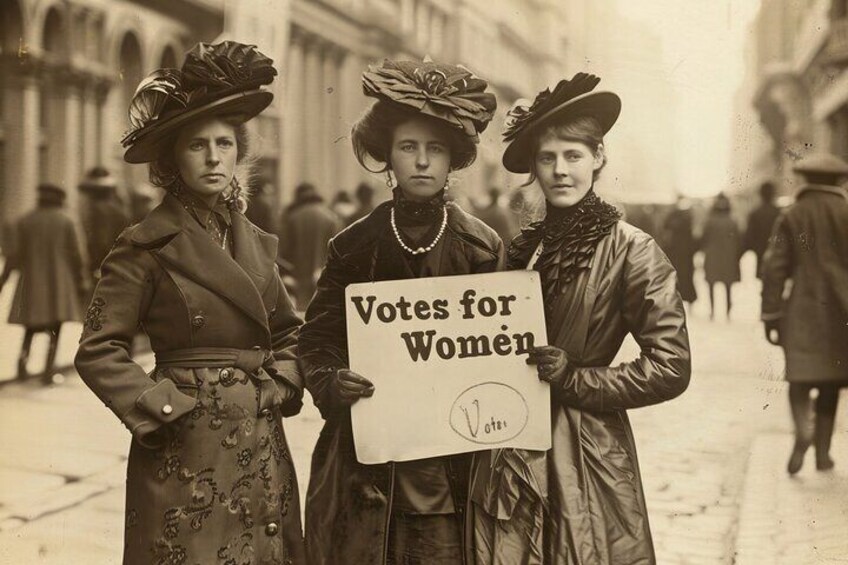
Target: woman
point(601, 279)
point(722, 246)
point(678, 242)
point(210, 478)
point(423, 125)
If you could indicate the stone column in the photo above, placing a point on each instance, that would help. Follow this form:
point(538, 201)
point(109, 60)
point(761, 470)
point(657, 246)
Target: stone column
point(293, 107)
point(312, 114)
point(330, 118)
point(64, 151)
point(22, 106)
point(352, 103)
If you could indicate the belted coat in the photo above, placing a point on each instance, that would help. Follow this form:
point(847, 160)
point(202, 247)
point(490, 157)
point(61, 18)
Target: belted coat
point(210, 477)
point(348, 504)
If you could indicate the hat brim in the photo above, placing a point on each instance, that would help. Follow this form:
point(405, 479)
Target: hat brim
point(815, 170)
point(603, 106)
point(246, 104)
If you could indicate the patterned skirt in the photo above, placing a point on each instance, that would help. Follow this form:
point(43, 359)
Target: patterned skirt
point(223, 487)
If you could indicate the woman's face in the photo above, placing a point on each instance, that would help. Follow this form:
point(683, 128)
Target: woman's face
point(565, 169)
point(420, 158)
point(206, 154)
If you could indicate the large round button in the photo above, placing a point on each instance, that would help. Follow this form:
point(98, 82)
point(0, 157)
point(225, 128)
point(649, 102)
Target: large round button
point(225, 373)
point(264, 412)
point(271, 529)
point(198, 321)
point(167, 409)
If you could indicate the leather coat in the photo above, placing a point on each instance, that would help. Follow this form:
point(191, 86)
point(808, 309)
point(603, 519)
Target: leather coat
point(348, 504)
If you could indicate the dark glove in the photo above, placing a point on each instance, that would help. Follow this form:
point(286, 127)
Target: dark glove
point(348, 387)
point(551, 363)
point(773, 332)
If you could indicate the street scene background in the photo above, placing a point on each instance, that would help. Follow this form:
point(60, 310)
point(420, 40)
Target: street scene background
point(720, 97)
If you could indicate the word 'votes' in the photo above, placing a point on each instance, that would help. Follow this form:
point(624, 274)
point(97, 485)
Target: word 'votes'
point(388, 312)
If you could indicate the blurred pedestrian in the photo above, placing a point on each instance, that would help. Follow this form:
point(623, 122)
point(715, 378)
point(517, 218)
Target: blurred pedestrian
point(260, 209)
point(106, 218)
point(210, 478)
point(760, 223)
point(809, 247)
point(721, 243)
point(305, 229)
point(343, 206)
point(498, 217)
point(53, 281)
point(678, 241)
point(417, 132)
point(365, 202)
point(582, 502)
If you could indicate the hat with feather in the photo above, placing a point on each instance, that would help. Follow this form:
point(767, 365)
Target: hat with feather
point(570, 99)
point(215, 80)
point(450, 93)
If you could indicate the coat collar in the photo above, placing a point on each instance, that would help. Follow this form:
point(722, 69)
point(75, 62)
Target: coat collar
point(178, 240)
point(838, 191)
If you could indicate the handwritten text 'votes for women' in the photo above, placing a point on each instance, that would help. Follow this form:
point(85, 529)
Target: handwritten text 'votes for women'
point(447, 359)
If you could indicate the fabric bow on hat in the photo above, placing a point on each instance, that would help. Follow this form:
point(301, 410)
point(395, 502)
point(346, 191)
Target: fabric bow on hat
point(448, 92)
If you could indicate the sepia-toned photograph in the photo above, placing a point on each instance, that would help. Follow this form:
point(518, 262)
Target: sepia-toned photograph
point(423, 282)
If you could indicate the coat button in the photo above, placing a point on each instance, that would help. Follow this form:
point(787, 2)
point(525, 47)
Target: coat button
point(256, 348)
point(264, 412)
point(167, 409)
point(271, 529)
point(198, 321)
point(225, 373)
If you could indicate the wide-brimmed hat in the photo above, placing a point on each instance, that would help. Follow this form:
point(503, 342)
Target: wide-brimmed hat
point(98, 180)
point(51, 193)
point(823, 164)
point(450, 93)
point(570, 99)
point(215, 80)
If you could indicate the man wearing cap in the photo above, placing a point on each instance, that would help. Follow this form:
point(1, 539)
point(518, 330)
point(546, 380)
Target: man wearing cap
point(52, 282)
point(809, 246)
point(106, 218)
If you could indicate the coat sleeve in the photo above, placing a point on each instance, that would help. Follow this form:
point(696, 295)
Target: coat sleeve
point(322, 344)
point(776, 270)
point(104, 359)
point(284, 325)
point(653, 313)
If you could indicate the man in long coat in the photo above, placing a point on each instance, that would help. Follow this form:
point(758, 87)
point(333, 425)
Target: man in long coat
point(760, 223)
point(810, 246)
point(53, 282)
point(106, 218)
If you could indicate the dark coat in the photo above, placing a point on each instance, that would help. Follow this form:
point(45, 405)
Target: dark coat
point(106, 220)
point(347, 504)
point(760, 224)
point(597, 511)
point(721, 243)
point(810, 247)
point(49, 259)
point(305, 230)
point(209, 475)
point(678, 242)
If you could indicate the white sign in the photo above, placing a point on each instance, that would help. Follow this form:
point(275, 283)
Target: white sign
point(447, 356)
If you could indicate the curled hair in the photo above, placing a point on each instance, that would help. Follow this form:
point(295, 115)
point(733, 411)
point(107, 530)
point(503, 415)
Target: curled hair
point(164, 172)
point(585, 130)
point(373, 133)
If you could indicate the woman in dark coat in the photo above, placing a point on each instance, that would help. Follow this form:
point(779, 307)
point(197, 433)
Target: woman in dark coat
point(423, 125)
point(721, 243)
point(582, 502)
point(809, 247)
point(678, 242)
point(210, 478)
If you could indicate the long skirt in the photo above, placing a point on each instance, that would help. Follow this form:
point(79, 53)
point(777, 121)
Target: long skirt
point(222, 489)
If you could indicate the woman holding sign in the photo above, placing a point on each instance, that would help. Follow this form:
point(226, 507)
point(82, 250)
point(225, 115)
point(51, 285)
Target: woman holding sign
point(601, 280)
point(424, 124)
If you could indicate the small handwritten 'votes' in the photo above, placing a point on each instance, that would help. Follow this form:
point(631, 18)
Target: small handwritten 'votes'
point(489, 413)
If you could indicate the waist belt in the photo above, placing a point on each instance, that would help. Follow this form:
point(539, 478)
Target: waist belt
point(258, 364)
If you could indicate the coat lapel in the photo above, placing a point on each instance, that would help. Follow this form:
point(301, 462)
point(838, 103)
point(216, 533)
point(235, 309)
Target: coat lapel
point(254, 251)
point(189, 250)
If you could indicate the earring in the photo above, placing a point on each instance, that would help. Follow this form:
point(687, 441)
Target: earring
point(389, 180)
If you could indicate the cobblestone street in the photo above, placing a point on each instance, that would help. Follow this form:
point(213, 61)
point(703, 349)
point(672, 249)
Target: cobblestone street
point(713, 463)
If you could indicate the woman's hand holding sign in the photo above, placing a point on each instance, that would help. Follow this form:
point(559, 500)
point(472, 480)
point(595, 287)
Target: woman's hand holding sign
point(348, 387)
point(551, 363)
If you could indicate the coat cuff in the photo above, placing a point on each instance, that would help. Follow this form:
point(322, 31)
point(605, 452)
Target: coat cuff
point(160, 404)
point(287, 375)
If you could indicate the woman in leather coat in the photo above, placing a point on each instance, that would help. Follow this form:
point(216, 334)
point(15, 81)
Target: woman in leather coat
point(423, 125)
point(582, 502)
point(210, 478)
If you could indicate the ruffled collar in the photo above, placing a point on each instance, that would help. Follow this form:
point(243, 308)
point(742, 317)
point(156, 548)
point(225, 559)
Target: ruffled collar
point(569, 238)
point(416, 212)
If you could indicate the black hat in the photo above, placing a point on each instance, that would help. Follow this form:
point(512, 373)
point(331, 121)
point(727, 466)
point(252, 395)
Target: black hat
point(48, 192)
point(98, 180)
point(450, 93)
point(570, 99)
point(215, 80)
point(822, 164)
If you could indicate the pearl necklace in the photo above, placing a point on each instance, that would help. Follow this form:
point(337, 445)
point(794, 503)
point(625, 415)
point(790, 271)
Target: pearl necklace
point(420, 250)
